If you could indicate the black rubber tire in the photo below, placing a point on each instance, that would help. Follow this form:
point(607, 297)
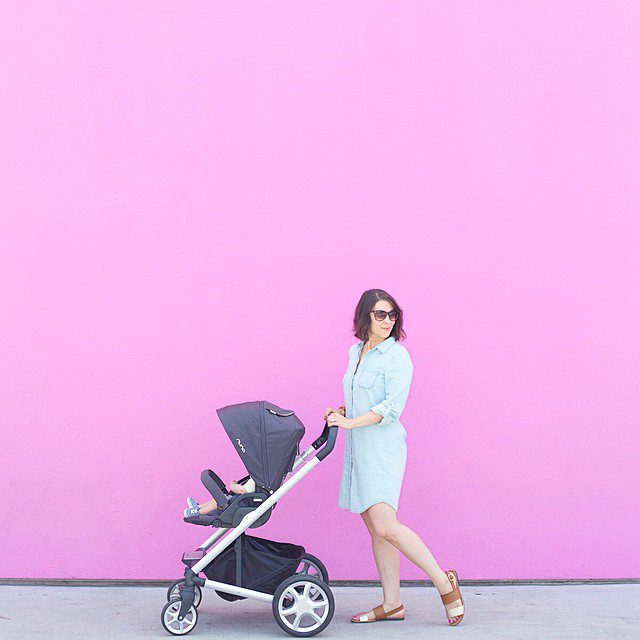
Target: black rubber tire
point(323, 574)
point(198, 593)
point(302, 578)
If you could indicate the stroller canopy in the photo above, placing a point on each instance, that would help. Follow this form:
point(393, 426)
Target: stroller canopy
point(266, 438)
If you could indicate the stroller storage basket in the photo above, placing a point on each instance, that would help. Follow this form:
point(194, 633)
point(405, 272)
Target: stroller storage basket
point(262, 565)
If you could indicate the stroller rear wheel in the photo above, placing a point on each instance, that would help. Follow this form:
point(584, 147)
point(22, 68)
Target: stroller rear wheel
point(174, 592)
point(312, 566)
point(170, 620)
point(303, 605)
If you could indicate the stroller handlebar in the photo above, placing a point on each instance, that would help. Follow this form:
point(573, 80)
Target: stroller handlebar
point(328, 439)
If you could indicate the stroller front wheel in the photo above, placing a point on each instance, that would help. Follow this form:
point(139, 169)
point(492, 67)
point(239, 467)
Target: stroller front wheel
point(171, 622)
point(174, 592)
point(303, 605)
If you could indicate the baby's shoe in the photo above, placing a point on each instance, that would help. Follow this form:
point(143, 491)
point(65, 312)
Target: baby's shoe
point(192, 503)
point(191, 511)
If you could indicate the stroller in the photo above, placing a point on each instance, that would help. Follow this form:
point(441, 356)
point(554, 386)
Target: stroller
point(267, 439)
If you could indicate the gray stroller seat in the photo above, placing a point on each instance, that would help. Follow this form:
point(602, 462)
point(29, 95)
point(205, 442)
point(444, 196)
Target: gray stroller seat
point(260, 432)
point(232, 506)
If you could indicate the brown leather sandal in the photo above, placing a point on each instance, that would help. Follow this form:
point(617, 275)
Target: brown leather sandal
point(379, 614)
point(452, 596)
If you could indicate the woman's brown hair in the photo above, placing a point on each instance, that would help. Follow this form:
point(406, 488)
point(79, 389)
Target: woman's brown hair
point(362, 319)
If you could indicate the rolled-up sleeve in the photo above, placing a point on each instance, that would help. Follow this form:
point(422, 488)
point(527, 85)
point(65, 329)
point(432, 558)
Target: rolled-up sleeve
point(397, 380)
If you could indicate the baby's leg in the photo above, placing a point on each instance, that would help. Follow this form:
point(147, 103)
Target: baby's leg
point(208, 507)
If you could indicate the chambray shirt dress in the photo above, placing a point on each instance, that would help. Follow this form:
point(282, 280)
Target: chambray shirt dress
point(375, 456)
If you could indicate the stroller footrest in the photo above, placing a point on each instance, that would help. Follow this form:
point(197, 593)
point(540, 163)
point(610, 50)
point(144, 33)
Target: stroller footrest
point(191, 557)
point(204, 521)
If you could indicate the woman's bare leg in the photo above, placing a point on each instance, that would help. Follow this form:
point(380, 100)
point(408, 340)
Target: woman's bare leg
point(385, 523)
point(387, 559)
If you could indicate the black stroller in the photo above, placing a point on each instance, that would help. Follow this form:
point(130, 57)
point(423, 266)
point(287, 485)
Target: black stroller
point(267, 439)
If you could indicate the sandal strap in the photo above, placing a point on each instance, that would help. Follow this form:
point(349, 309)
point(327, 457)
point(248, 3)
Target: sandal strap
point(450, 597)
point(396, 610)
point(457, 611)
point(380, 614)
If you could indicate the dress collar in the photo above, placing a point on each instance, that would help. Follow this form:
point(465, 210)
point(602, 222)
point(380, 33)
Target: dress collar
point(382, 346)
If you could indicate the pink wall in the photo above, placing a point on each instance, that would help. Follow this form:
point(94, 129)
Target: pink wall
point(195, 196)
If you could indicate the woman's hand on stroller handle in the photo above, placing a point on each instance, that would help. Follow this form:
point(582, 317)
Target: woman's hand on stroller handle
point(342, 410)
point(336, 417)
point(338, 420)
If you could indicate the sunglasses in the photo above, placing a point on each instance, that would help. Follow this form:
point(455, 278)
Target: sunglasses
point(381, 315)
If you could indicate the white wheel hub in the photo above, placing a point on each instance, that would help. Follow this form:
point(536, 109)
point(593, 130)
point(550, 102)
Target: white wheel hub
point(176, 626)
point(307, 607)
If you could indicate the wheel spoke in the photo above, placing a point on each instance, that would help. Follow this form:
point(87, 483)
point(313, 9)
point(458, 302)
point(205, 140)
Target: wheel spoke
point(318, 603)
point(289, 610)
point(296, 622)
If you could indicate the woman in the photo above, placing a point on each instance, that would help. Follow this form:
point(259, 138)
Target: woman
point(376, 386)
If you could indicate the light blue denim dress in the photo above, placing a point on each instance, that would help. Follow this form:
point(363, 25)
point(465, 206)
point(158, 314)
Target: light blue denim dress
point(375, 455)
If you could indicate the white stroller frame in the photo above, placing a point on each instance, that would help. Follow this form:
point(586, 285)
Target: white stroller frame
point(322, 446)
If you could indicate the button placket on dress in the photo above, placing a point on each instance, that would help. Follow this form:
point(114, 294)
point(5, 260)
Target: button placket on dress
point(349, 449)
point(358, 369)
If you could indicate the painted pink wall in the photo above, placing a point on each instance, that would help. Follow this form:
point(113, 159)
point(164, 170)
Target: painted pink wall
point(195, 196)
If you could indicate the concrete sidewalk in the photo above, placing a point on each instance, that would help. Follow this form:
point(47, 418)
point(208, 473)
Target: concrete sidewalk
point(519, 612)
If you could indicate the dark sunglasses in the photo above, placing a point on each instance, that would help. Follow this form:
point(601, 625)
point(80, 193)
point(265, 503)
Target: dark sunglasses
point(381, 315)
